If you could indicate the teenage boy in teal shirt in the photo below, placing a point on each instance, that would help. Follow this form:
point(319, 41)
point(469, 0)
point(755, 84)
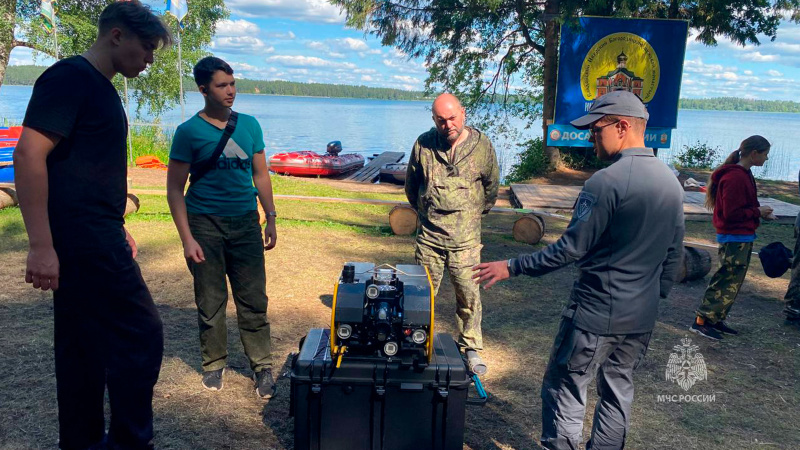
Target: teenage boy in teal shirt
point(218, 224)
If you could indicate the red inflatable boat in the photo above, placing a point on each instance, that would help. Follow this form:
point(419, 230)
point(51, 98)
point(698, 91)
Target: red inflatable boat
point(306, 163)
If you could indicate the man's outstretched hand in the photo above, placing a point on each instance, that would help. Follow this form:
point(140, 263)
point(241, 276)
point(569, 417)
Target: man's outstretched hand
point(490, 273)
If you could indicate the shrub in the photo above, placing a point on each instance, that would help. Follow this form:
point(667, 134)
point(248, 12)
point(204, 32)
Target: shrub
point(531, 162)
point(699, 156)
point(151, 140)
point(581, 158)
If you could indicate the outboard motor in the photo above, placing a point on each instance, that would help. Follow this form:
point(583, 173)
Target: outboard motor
point(334, 147)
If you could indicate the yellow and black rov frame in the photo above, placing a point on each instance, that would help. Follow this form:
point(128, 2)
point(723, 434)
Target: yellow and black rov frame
point(383, 312)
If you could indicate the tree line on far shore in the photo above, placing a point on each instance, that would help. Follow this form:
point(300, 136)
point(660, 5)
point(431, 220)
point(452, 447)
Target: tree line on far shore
point(26, 76)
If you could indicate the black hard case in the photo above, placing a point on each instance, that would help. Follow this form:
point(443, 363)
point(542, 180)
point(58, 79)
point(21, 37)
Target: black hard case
point(375, 404)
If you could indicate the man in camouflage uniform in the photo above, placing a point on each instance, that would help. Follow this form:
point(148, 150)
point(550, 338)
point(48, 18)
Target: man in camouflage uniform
point(451, 182)
point(792, 297)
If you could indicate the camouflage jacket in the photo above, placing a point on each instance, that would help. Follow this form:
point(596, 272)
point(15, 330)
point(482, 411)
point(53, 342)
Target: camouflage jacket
point(450, 202)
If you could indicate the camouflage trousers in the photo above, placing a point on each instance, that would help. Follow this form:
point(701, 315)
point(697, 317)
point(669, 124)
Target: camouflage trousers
point(734, 259)
point(792, 296)
point(468, 295)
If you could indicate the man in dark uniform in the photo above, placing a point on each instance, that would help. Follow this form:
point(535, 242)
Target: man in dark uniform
point(625, 238)
point(71, 181)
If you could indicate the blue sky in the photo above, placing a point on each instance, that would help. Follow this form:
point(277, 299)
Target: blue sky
point(306, 41)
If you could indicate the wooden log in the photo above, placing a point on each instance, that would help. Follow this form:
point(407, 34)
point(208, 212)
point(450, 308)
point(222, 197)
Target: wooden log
point(132, 204)
point(403, 220)
point(528, 229)
point(8, 197)
point(695, 265)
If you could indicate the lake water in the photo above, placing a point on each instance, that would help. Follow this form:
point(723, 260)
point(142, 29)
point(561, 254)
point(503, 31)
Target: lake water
point(374, 126)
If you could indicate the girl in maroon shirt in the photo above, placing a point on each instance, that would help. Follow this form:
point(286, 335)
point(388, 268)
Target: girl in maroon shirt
point(732, 196)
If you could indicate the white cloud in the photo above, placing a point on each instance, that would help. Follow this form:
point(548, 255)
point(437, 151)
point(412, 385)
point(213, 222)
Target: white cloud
point(405, 79)
point(748, 72)
point(366, 78)
point(337, 55)
point(241, 44)
point(308, 61)
point(287, 35)
point(351, 44)
point(239, 27)
point(774, 73)
point(319, 11)
point(758, 57)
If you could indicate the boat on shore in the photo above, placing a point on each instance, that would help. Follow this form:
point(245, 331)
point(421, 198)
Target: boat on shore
point(8, 141)
point(308, 163)
point(394, 173)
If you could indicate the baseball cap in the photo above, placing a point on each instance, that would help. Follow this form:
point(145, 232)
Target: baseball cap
point(616, 103)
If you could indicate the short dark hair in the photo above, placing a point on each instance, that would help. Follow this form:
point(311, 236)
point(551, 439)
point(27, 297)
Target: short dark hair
point(205, 68)
point(134, 17)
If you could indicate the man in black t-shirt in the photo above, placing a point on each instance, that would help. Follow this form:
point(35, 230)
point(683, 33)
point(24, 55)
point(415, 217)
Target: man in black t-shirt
point(70, 168)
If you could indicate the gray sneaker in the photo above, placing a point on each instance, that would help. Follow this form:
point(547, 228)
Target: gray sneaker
point(265, 384)
point(475, 363)
point(212, 380)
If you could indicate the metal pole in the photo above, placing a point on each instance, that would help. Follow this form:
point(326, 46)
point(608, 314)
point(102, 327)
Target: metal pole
point(55, 38)
point(128, 114)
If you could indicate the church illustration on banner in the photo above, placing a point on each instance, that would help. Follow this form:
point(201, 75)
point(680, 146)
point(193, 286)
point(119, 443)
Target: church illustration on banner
point(620, 79)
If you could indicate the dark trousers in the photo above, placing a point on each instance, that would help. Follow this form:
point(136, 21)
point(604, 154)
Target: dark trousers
point(233, 246)
point(577, 356)
point(107, 333)
point(792, 296)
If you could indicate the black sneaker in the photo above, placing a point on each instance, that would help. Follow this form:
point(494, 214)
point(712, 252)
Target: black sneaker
point(792, 312)
point(265, 384)
point(722, 328)
point(706, 330)
point(212, 380)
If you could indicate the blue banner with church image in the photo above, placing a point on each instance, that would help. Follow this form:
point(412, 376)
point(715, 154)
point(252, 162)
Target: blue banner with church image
point(600, 55)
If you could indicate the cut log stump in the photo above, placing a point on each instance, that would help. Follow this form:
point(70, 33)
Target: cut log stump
point(528, 229)
point(8, 197)
point(695, 265)
point(403, 220)
point(132, 205)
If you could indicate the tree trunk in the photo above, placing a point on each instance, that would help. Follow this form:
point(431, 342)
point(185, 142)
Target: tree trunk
point(8, 12)
point(551, 10)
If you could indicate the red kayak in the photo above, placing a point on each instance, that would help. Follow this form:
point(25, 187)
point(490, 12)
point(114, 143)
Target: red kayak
point(306, 163)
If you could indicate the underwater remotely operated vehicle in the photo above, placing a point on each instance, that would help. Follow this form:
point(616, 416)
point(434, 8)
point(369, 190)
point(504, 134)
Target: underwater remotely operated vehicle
point(383, 312)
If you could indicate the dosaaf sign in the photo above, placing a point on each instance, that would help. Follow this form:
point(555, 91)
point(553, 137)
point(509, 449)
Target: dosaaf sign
point(600, 55)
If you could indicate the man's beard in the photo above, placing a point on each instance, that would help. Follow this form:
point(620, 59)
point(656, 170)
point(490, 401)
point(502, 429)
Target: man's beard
point(451, 139)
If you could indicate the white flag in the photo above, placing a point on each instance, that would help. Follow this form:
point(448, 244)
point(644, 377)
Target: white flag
point(178, 8)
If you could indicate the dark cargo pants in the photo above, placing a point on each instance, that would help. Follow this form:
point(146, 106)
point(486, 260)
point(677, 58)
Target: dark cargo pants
point(792, 296)
point(574, 360)
point(459, 265)
point(734, 260)
point(232, 246)
point(107, 332)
